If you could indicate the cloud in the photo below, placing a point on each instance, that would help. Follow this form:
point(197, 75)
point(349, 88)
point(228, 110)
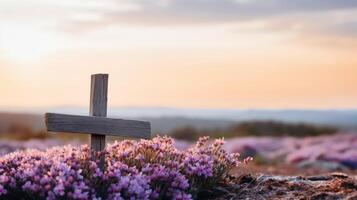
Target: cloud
point(295, 15)
point(338, 25)
point(185, 12)
point(307, 16)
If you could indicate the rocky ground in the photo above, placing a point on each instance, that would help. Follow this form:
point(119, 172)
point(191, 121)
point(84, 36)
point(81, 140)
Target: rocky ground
point(333, 186)
point(286, 182)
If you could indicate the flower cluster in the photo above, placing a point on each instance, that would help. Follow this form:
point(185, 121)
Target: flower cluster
point(328, 151)
point(145, 169)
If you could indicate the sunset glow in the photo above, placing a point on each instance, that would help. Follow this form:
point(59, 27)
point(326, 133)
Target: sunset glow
point(24, 44)
point(161, 53)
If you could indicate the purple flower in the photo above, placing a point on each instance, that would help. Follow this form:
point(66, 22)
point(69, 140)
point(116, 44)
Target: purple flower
point(145, 169)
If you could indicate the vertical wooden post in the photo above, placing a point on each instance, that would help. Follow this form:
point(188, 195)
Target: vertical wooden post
point(98, 108)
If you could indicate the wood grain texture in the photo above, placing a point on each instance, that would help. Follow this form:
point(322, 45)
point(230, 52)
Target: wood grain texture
point(98, 95)
point(97, 125)
point(98, 106)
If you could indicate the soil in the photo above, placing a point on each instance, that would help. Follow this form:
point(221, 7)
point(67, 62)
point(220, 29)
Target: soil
point(286, 182)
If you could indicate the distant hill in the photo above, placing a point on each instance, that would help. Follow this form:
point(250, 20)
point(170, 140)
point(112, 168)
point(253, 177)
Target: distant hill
point(167, 124)
point(36, 122)
point(32, 121)
point(345, 119)
point(167, 119)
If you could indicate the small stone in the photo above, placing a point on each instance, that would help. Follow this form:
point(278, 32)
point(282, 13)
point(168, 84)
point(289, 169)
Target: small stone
point(339, 175)
point(319, 178)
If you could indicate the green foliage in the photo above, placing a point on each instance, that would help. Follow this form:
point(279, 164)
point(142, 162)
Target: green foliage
point(255, 128)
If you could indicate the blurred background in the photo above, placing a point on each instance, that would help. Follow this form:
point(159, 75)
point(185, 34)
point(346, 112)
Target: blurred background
point(275, 78)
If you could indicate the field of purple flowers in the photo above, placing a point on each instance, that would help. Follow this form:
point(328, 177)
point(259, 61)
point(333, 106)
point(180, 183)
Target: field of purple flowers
point(154, 169)
point(147, 169)
point(8, 146)
point(333, 152)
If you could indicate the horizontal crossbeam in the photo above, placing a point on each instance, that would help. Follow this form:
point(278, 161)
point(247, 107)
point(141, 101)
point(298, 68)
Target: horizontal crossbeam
point(97, 125)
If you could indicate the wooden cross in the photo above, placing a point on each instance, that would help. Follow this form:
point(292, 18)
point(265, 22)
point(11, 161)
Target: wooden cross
point(97, 124)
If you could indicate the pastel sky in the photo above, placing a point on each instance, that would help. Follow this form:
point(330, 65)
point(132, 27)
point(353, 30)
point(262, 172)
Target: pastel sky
point(180, 53)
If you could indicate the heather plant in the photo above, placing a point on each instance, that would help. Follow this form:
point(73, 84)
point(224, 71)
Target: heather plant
point(145, 169)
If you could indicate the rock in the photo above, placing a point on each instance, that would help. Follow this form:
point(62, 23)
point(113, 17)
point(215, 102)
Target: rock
point(339, 175)
point(319, 178)
point(335, 186)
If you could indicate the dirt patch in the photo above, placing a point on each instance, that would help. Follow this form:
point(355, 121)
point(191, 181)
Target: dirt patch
point(323, 187)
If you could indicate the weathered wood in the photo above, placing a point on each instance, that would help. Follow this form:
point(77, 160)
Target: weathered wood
point(97, 125)
point(98, 106)
point(98, 95)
